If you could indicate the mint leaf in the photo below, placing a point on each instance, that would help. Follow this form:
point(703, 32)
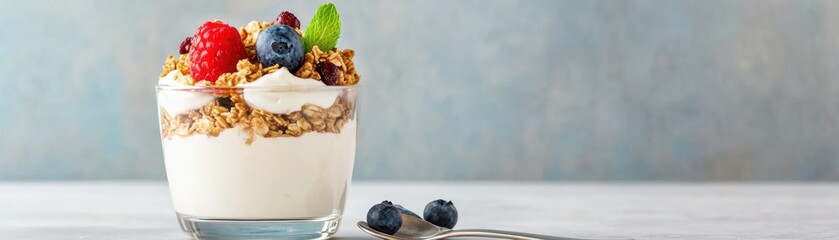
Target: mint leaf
point(324, 29)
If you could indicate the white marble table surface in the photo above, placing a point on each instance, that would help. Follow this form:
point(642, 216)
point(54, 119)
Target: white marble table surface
point(142, 210)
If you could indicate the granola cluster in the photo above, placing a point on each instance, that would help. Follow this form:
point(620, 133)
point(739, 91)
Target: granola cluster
point(341, 59)
point(231, 111)
point(182, 65)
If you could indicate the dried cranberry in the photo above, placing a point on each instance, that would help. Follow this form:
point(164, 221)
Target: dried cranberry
point(288, 19)
point(185, 45)
point(225, 102)
point(329, 73)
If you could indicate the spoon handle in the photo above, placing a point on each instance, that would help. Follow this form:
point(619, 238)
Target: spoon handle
point(501, 234)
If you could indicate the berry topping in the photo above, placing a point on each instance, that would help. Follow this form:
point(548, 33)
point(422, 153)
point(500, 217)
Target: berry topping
point(184, 49)
point(288, 19)
point(215, 50)
point(280, 44)
point(329, 73)
point(441, 213)
point(384, 217)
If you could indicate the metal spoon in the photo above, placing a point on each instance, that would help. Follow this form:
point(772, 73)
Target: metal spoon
point(416, 228)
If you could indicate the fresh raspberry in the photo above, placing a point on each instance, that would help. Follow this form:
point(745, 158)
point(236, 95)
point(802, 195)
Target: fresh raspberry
point(288, 19)
point(185, 45)
point(329, 73)
point(215, 50)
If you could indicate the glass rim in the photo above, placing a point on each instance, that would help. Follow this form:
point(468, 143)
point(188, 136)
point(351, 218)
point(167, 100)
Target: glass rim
point(260, 88)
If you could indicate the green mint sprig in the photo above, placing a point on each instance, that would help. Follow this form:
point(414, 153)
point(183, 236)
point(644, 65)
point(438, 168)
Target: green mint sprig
point(324, 29)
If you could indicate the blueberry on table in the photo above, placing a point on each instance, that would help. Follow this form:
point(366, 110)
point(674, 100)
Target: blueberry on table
point(280, 44)
point(441, 213)
point(384, 217)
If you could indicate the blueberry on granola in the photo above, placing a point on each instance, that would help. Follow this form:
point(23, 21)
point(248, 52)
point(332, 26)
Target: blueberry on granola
point(280, 44)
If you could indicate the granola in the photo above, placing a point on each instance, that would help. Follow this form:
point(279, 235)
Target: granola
point(227, 112)
point(341, 59)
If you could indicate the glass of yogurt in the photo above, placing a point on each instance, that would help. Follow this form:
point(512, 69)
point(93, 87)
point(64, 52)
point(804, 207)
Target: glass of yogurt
point(258, 160)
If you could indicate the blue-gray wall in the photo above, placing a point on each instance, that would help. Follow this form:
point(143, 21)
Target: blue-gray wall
point(673, 90)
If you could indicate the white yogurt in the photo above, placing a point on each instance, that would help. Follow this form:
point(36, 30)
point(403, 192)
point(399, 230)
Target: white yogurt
point(176, 102)
point(272, 178)
point(284, 102)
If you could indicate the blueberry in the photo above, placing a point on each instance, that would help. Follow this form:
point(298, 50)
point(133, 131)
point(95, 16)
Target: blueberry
point(384, 217)
point(280, 44)
point(406, 211)
point(441, 213)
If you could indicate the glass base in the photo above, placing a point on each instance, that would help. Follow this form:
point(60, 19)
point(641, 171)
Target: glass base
point(321, 228)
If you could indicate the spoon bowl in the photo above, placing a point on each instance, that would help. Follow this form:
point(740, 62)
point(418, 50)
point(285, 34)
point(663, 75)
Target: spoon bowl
point(416, 228)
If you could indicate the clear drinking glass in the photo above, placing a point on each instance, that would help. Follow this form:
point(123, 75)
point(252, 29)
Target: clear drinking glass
point(258, 162)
